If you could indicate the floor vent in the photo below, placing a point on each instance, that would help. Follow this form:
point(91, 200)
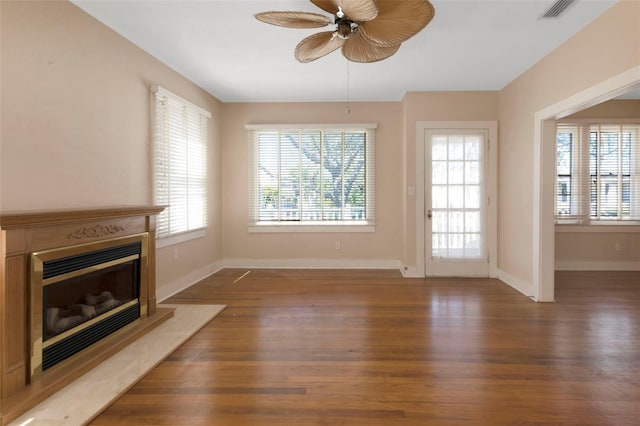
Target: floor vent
point(558, 8)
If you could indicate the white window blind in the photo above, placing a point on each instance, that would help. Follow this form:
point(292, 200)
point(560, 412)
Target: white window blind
point(598, 173)
point(179, 163)
point(315, 176)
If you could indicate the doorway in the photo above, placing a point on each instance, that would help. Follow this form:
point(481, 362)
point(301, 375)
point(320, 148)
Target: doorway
point(543, 262)
point(456, 202)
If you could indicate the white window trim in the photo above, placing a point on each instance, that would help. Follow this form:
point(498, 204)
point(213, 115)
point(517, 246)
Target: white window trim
point(302, 226)
point(181, 238)
point(311, 228)
point(625, 228)
point(165, 92)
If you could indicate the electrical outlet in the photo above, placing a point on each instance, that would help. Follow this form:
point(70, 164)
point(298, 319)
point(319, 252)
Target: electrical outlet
point(337, 245)
point(618, 247)
point(175, 253)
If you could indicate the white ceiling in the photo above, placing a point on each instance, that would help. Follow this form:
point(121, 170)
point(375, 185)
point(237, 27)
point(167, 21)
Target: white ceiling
point(219, 45)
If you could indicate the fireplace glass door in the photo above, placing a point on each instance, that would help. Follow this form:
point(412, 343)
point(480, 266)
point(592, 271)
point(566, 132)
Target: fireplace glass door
point(75, 301)
point(82, 294)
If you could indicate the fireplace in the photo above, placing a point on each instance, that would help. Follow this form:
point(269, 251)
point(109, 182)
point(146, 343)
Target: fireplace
point(76, 286)
point(83, 293)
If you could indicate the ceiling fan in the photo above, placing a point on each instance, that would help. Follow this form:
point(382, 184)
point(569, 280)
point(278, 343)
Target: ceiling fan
point(366, 30)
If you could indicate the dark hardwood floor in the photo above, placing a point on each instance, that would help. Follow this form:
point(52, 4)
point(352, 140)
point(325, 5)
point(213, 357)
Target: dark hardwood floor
point(371, 348)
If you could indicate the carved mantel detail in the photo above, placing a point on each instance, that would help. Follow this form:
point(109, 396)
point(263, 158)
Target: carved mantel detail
point(95, 231)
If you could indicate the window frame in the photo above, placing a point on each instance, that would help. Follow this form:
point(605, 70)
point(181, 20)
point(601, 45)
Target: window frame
point(195, 180)
point(585, 222)
point(573, 175)
point(312, 226)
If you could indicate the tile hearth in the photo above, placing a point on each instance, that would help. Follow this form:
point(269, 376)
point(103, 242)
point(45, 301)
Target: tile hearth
point(86, 397)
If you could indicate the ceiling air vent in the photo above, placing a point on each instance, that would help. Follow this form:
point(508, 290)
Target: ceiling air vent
point(557, 8)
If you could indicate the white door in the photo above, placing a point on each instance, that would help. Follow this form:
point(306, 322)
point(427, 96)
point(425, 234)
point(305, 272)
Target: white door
point(456, 203)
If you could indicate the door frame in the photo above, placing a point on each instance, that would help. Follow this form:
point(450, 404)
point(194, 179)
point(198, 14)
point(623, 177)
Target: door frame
point(543, 232)
point(492, 187)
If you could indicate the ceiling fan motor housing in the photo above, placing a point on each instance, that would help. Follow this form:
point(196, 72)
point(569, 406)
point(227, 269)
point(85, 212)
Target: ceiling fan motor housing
point(345, 27)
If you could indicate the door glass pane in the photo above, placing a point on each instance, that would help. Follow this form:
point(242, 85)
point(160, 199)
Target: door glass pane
point(440, 222)
point(439, 148)
point(456, 221)
point(456, 172)
point(472, 196)
point(439, 172)
point(439, 195)
point(456, 148)
point(472, 245)
point(472, 221)
point(472, 148)
point(456, 196)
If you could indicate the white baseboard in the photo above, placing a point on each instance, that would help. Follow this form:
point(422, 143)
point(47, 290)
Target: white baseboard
point(167, 290)
point(518, 284)
point(411, 272)
point(313, 263)
point(569, 265)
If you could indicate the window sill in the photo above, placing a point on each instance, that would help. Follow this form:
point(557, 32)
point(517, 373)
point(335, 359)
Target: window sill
point(337, 227)
point(625, 227)
point(181, 238)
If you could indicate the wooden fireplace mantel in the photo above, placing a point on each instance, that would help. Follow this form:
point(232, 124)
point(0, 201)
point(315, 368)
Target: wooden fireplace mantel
point(23, 233)
point(51, 217)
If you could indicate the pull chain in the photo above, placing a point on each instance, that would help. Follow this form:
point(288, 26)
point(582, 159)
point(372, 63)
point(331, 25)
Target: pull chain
point(348, 91)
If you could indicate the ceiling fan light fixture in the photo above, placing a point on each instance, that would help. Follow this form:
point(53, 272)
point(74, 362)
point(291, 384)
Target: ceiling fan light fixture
point(367, 30)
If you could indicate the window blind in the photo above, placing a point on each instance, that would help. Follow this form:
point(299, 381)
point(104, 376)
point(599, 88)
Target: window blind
point(312, 175)
point(614, 169)
point(598, 173)
point(572, 201)
point(179, 163)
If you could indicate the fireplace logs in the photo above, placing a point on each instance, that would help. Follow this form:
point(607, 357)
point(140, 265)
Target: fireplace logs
point(60, 319)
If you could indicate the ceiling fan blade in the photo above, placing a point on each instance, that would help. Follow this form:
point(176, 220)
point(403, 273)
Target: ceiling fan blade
point(294, 19)
point(317, 46)
point(358, 49)
point(356, 10)
point(397, 21)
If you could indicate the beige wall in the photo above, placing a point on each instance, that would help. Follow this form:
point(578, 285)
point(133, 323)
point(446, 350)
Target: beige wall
point(394, 239)
point(617, 249)
point(597, 250)
point(573, 67)
point(384, 244)
point(75, 121)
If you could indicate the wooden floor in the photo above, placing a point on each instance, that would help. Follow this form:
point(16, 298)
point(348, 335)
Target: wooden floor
point(372, 348)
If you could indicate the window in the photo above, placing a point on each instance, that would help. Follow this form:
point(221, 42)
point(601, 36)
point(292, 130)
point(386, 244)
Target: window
point(312, 176)
point(179, 164)
point(598, 173)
